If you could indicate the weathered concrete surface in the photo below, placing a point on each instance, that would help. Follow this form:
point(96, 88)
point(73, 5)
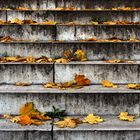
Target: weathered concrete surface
point(79, 32)
point(65, 32)
point(33, 4)
point(28, 32)
point(94, 51)
point(97, 71)
point(13, 131)
point(32, 73)
point(93, 99)
point(3, 15)
point(82, 4)
point(85, 17)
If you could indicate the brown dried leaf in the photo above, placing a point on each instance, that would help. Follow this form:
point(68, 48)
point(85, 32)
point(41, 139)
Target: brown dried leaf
point(81, 80)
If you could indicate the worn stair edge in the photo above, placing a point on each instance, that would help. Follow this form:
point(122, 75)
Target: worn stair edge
point(77, 10)
point(66, 42)
point(6, 125)
point(92, 89)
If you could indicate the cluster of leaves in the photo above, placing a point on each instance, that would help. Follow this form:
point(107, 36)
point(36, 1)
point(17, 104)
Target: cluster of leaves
point(113, 22)
point(78, 55)
point(106, 83)
point(27, 21)
point(28, 115)
point(112, 39)
point(21, 8)
point(118, 61)
point(28, 59)
point(78, 82)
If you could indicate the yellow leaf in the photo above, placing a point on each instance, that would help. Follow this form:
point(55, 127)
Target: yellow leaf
point(67, 122)
point(91, 119)
point(123, 116)
point(16, 21)
point(22, 84)
point(106, 83)
point(133, 86)
point(80, 55)
point(28, 109)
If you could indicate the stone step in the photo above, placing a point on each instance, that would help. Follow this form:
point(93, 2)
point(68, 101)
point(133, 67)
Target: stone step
point(98, 71)
point(83, 17)
point(91, 99)
point(27, 72)
point(94, 50)
point(79, 4)
point(110, 129)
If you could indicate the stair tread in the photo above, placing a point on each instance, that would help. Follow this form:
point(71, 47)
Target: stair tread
point(94, 62)
point(111, 123)
point(87, 89)
point(6, 125)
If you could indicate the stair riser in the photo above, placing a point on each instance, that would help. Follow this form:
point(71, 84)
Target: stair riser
point(24, 135)
point(100, 32)
point(36, 32)
point(26, 32)
point(74, 104)
point(33, 4)
point(94, 51)
point(80, 4)
point(96, 135)
point(116, 73)
point(81, 17)
point(3, 15)
point(26, 73)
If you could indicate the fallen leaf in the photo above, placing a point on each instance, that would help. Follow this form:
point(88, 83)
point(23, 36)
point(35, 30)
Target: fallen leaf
point(80, 55)
point(81, 80)
point(25, 120)
point(67, 122)
point(123, 116)
point(133, 86)
point(16, 21)
point(22, 84)
point(106, 83)
point(92, 119)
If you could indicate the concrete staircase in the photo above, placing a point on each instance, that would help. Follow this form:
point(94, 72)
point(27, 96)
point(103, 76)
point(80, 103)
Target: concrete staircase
point(92, 99)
